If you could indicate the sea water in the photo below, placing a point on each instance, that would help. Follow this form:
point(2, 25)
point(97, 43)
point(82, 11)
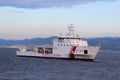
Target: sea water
point(105, 67)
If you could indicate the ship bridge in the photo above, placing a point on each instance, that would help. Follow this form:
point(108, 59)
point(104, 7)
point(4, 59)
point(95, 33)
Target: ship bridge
point(70, 39)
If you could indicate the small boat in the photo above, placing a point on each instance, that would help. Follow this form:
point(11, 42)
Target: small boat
point(68, 46)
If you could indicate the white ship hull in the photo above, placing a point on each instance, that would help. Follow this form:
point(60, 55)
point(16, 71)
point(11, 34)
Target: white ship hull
point(78, 53)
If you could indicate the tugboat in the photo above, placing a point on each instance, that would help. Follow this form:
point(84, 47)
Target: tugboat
point(69, 46)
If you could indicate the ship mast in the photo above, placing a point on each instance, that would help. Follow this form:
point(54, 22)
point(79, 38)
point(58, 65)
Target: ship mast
point(70, 31)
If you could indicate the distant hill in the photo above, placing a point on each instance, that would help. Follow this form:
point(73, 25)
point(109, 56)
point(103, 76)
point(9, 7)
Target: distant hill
point(33, 41)
point(107, 43)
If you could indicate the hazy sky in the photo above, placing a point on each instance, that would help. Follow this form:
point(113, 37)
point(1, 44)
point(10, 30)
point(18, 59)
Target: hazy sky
point(20, 19)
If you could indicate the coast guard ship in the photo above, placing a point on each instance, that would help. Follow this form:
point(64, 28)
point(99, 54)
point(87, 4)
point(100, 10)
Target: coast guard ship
point(69, 46)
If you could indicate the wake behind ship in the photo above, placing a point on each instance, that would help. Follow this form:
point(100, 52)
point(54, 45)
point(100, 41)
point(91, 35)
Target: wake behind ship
point(69, 46)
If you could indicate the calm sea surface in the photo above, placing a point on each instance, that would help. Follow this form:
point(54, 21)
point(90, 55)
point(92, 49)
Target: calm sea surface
point(105, 67)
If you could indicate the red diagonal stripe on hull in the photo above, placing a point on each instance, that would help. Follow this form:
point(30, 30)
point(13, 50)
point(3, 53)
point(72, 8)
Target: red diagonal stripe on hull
point(72, 52)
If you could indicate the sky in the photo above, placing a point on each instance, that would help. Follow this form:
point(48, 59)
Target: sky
point(22, 19)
